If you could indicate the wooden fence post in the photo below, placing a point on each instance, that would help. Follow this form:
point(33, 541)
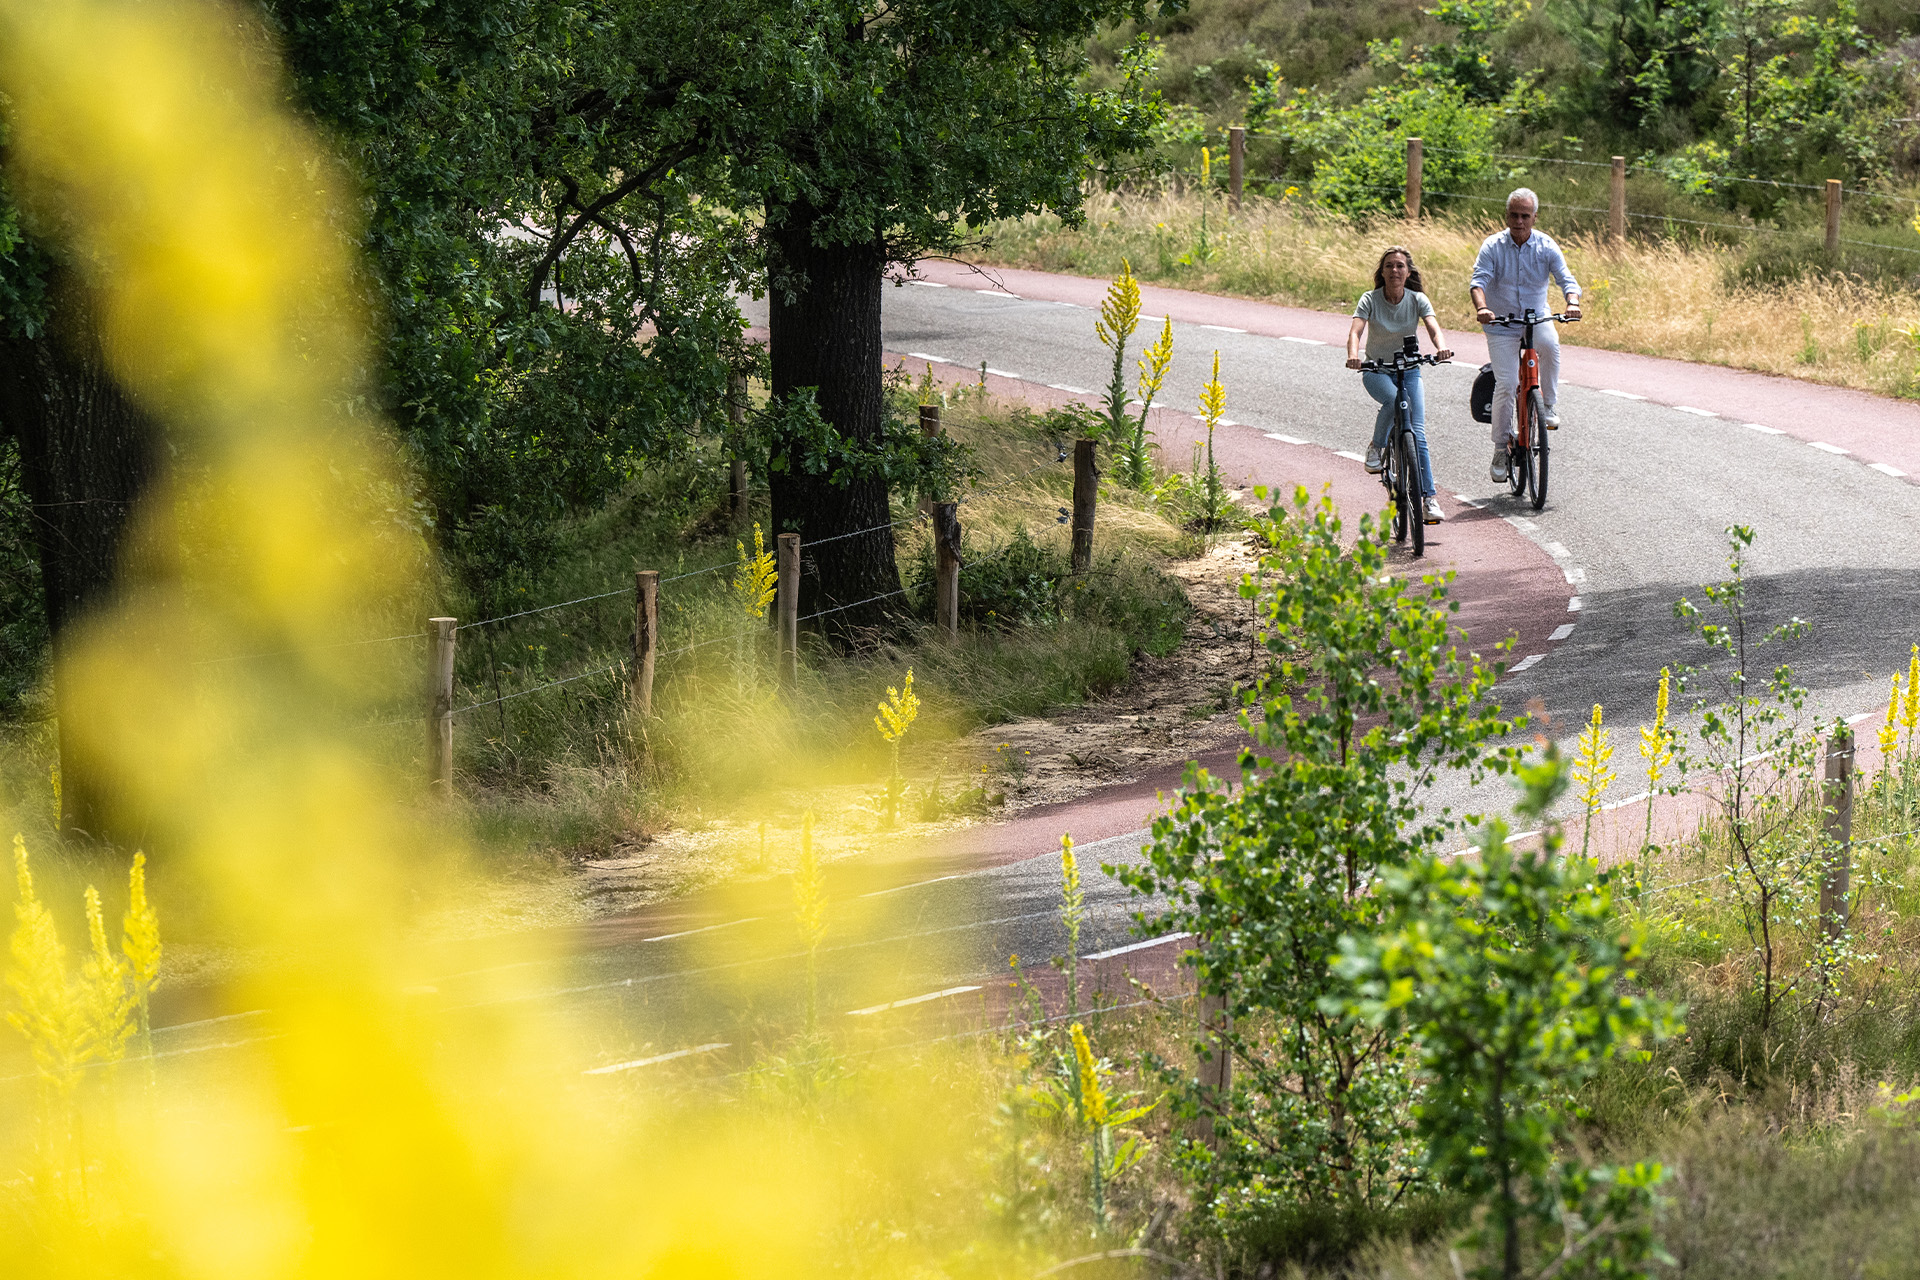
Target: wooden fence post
point(929, 427)
point(1833, 215)
point(1236, 163)
point(1617, 202)
point(787, 605)
point(946, 572)
point(737, 473)
point(1086, 489)
point(440, 632)
point(1837, 825)
point(1416, 159)
point(1215, 1062)
point(646, 638)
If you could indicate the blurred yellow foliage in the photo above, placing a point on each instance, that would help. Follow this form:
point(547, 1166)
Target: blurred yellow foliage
point(350, 1132)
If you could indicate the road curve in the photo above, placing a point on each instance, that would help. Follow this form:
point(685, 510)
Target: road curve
point(1656, 458)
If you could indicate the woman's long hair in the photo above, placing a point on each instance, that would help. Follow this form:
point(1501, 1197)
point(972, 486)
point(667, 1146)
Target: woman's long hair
point(1413, 272)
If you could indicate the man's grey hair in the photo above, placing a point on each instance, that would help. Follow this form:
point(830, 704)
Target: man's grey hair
point(1524, 193)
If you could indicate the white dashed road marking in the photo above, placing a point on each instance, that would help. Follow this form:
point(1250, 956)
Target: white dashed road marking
point(899, 1004)
point(1525, 662)
point(1305, 342)
point(648, 1062)
point(1275, 435)
point(1886, 470)
point(1562, 631)
point(1698, 413)
point(1136, 946)
point(1762, 429)
point(1824, 447)
point(688, 933)
point(1624, 395)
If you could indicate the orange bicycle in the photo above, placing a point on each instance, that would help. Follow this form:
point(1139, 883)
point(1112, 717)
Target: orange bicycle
point(1527, 450)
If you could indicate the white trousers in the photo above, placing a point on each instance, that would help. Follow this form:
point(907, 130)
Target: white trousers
point(1503, 350)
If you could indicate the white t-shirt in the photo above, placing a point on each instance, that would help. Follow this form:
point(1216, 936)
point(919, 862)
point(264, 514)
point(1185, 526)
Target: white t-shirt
point(1390, 323)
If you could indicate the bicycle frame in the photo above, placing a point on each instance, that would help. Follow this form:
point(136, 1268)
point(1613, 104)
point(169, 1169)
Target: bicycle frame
point(1414, 516)
point(1529, 369)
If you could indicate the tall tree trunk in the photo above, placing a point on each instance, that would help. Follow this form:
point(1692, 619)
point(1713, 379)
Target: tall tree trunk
point(88, 454)
point(824, 320)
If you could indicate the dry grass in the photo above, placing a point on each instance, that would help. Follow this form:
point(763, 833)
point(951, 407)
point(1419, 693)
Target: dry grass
point(1681, 297)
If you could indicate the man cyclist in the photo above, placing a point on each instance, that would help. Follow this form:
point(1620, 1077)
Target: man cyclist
point(1509, 276)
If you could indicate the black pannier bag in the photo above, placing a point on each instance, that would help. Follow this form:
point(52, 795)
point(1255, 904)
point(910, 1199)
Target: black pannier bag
point(1482, 400)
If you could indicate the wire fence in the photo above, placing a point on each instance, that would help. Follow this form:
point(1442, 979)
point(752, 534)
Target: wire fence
point(736, 634)
point(1663, 171)
point(1744, 228)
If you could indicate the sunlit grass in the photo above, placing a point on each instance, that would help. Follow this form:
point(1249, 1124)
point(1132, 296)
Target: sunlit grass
point(1752, 301)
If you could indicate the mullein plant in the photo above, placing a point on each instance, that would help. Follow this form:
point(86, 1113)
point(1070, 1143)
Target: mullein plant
point(1119, 317)
point(1094, 1107)
point(1656, 748)
point(1136, 467)
point(1208, 487)
point(810, 917)
point(755, 580)
point(70, 1021)
point(897, 715)
point(140, 943)
point(1590, 771)
point(1073, 913)
point(1910, 705)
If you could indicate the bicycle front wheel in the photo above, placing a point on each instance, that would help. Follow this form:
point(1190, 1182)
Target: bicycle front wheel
point(1397, 493)
point(1538, 417)
point(1415, 486)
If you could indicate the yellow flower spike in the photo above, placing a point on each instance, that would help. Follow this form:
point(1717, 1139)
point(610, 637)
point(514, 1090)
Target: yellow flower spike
point(1889, 732)
point(1206, 167)
point(1120, 311)
point(1656, 740)
point(1910, 708)
point(1213, 397)
point(141, 943)
point(44, 1011)
point(755, 579)
point(1590, 771)
point(108, 1001)
point(1154, 363)
point(1069, 869)
point(898, 712)
point(1093, 1097)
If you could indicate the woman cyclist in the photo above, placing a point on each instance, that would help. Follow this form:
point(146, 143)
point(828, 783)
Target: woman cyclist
point(1387, 314)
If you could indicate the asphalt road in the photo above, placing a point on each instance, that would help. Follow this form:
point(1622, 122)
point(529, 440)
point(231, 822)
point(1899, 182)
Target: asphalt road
point(1655, 460)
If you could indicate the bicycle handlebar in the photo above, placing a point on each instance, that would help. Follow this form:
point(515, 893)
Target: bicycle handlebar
point(1400, 361)
point(1513, 320)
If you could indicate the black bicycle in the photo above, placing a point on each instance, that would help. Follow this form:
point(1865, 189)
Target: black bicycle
point(1405, 484)
point(1527, 451)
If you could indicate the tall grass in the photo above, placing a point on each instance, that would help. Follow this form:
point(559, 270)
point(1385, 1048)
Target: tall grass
point(1757, 300)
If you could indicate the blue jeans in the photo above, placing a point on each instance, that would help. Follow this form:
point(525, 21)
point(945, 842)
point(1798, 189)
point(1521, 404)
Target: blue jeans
point(1380, 387)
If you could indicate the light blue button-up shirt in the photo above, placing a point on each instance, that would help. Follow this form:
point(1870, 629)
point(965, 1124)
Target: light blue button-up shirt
point(1515, 275)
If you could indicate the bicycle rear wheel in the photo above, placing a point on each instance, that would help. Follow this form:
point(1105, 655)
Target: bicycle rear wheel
point(1415, 486)
point(1537, 416)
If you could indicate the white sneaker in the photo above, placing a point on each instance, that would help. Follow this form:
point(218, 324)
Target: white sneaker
point(1376, 458)
point(1498, 471)
point(1551, 416)
point(1434, 514)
